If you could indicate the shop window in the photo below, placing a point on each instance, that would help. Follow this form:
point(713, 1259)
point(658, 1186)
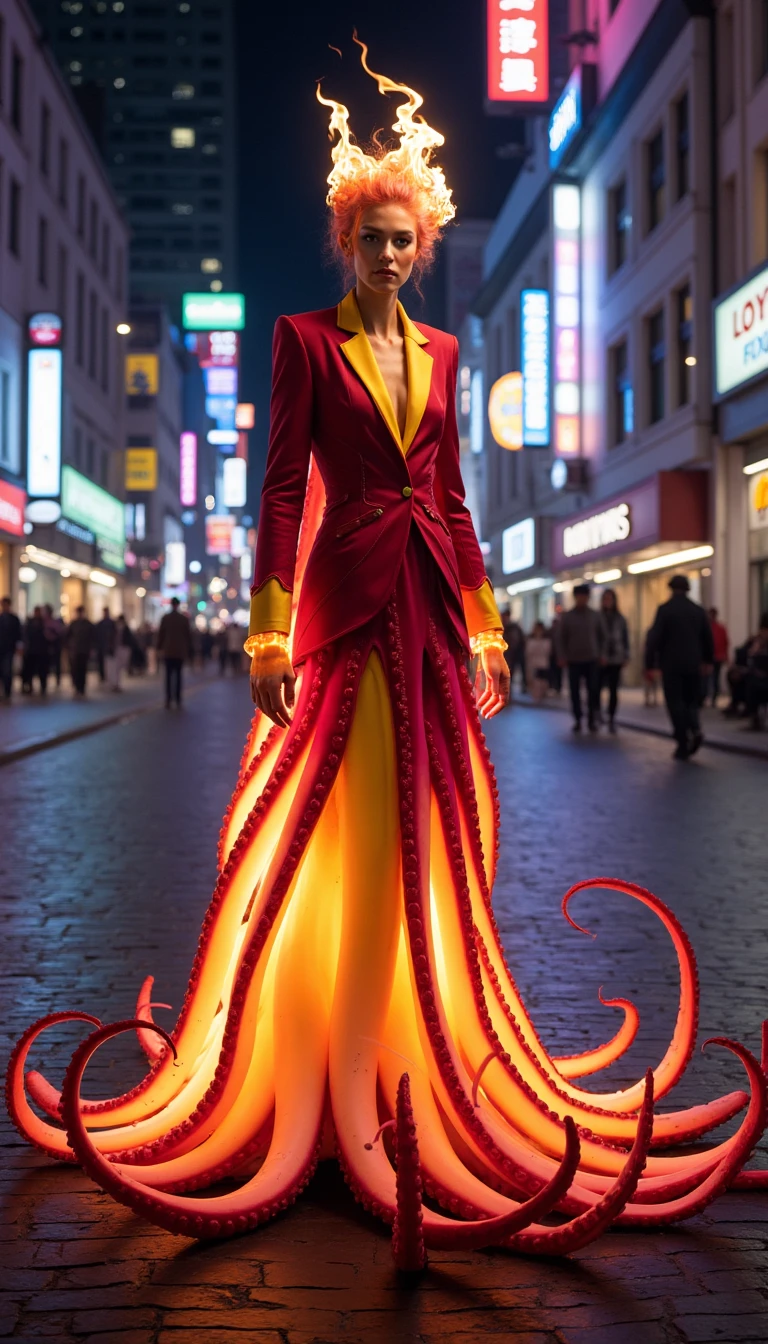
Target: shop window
point(620, 224)
point(80, 319)
point(8, 448)
point(682, 138)
point(61, 282)
point(14, 218)
point(42, 251)
point(80, 217)
point(45, 139)
point(656, 179)
point(17, 90)
point(686, 360)
point(656, 366)
point(623, 398)
point(63, 189)
point(760, 39)
point(726, 51)
point(93, 334)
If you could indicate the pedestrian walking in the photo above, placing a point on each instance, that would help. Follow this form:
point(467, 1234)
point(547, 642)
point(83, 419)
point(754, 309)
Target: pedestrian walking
point(118, 663)
point(613, 641)
point(555, 670)
point(538, 650)
point(515, 650)
point(174, 642)
point(106, 633)
point(80, 640)
point(756, 680)
point(681, 639)
point(234, 642)
point(720, 646)
point(35, 660)
point(579, 652)
point(54, 634)
point(10, 641)
point(651, 672)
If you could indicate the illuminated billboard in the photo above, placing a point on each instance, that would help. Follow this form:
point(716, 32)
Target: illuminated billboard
point(94, 508)
point(218, 533)
point(233, 486)
point(534, 350)
point(43, 423)
point(566, 271)
point(517, 51)
point(188, 470)
point(213, 312)
point(505, 410)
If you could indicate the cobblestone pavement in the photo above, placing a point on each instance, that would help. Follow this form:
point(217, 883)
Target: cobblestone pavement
point(105, 869)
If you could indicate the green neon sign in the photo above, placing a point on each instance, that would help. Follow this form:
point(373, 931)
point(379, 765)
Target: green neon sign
point(213, 312)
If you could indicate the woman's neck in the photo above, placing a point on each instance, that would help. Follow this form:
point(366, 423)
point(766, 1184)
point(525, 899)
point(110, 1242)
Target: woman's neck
point(379, 313)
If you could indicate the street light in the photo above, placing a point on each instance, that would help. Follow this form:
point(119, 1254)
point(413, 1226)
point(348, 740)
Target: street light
point(123, 329)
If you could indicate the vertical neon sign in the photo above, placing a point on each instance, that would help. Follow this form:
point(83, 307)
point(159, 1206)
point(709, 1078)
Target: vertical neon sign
point(566, 219)
point(188, 470)
point(518, 51)
point(534, 348)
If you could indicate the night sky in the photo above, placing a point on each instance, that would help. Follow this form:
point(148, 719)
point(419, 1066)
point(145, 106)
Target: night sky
point(284, 148)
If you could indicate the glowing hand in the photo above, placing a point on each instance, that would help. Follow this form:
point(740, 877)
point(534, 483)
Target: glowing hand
point(494, 694)
point(271, 671)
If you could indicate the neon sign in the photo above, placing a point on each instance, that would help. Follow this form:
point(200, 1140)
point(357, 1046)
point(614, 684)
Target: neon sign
point(518, 51)
point(566, 220)
point(188, 470)
point(505, 410)
point(534, 345)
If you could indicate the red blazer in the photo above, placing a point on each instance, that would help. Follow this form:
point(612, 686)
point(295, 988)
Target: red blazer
point(329, 399)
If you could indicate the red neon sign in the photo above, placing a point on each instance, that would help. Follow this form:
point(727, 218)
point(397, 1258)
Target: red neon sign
point(518, 51)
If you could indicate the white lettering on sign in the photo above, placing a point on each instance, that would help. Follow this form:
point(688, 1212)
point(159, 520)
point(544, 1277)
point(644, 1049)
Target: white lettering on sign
point(741, 334)
point(602, 529)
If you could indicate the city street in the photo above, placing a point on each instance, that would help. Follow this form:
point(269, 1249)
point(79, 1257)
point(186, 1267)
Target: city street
point(106, 866)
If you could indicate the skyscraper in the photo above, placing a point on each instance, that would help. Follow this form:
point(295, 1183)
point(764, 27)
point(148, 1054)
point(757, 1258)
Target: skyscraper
point(157, 84)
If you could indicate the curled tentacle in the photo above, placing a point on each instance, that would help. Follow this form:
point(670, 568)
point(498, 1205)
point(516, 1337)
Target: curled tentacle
point(592, 1061)
point(48, 1139)
point(147, 1039)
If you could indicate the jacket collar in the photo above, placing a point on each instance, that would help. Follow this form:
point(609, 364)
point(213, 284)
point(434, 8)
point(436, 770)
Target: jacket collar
point(360, 355)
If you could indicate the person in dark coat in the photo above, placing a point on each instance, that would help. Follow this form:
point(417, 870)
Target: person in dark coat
point(10, 641)
point(681, 639)
point(36, 660)
point(579, 650)
point(613, 640)
point(81, 638)
point(174, 642)
point(105, 642)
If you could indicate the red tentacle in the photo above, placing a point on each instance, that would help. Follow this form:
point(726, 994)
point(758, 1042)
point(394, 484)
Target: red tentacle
point(407, 1232)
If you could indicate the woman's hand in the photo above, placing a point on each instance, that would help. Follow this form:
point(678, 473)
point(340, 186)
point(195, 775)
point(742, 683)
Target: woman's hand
point(495, 694)
point(273, 681)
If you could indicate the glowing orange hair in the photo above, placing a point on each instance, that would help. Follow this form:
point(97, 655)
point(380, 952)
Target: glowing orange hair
point(403, 175)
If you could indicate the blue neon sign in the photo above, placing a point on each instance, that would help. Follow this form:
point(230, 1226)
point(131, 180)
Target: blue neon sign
point(534, 347)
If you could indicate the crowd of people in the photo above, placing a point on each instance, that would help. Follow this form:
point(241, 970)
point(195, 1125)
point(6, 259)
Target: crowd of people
point(38, 651)
point(686, 653)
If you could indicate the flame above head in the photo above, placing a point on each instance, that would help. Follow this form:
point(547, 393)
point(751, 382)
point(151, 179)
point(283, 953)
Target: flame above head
point(418, 141)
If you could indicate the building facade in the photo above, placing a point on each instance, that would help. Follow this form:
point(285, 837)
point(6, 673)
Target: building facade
point(63, 254)
point(614, 217)
point(158, 83)
point(741, 314)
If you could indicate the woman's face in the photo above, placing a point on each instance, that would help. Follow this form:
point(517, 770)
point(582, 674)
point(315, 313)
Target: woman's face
point(385, 248)
point(609, 602)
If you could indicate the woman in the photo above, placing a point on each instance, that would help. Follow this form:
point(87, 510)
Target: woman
point(613, 642)
point(350, 994)
point(538, 651)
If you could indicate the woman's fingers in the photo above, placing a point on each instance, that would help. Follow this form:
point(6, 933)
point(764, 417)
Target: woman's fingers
point(266, 693)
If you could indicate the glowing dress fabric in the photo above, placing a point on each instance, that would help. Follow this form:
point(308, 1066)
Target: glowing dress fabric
point(349, 976)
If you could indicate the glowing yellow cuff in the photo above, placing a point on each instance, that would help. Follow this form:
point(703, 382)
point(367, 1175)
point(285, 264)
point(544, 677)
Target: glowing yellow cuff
point(480, 610)
point(487, 639)
point(268, 653)
point(270, 609)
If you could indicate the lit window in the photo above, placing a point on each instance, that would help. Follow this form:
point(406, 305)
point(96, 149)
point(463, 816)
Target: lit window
point(118, 6)
point(182, 137)
point(210, 149)
point(75, 65)
point(119, 83)
point(183, 91)
point(181, 208)
point(210, 265)
point(216, 286)
point(76, 32)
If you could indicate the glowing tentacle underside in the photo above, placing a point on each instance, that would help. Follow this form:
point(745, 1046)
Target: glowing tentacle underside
point(350, 965)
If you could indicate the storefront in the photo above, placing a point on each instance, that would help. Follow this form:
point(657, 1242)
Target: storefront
point(12, 503)
point(741, 389)
point(633, 543)
point(79, 560)
point(526, 586)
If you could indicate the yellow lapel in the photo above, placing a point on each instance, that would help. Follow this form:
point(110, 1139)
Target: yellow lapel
point(360, 355)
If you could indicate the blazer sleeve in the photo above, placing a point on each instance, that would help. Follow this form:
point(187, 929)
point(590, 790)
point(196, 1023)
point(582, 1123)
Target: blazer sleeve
point(480, 608)
point(285, 481)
